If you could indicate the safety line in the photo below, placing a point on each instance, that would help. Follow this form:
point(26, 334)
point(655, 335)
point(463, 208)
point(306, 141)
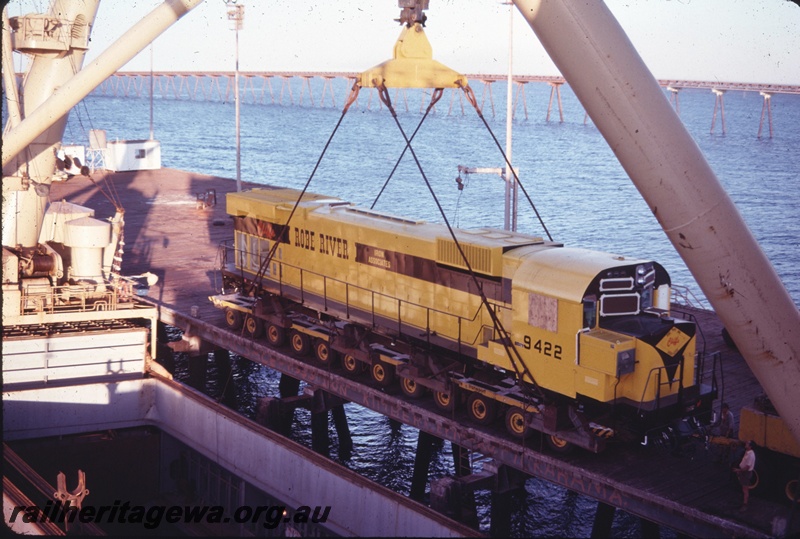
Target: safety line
point(471, 98)
point(437, 94)
point(511, 350)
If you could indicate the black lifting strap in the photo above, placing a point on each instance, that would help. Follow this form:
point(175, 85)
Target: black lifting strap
point(435, 97)
point(471, 98)
point(520, 368)
point(282, 238)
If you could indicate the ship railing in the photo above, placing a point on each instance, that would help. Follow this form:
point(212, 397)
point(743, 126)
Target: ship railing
point(357, 301)
point(682, 295)
point(42, 31)
point(44, 298)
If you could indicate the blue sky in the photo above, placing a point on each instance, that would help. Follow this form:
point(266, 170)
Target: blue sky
point(717, 40)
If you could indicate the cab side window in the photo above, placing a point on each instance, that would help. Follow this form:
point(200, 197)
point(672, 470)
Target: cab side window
point(589, 312)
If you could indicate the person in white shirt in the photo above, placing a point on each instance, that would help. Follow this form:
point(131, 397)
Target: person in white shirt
point(745, 471)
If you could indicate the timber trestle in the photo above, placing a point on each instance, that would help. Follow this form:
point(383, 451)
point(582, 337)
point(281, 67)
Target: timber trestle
point(513, 460)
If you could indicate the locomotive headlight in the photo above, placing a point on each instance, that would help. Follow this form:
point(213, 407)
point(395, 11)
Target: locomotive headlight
point(642, 272)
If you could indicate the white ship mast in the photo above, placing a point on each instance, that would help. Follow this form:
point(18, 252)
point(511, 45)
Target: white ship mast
point(60, 264)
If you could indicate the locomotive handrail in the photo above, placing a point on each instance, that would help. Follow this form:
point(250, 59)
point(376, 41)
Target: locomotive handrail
point(716, 364)
point(222, 255)
point(229, 245)
point(221, 260)
point(658, 385)
point(578, 345)
point(692, 318)
point(700, 355)
point(699, 366)
point(375, 313)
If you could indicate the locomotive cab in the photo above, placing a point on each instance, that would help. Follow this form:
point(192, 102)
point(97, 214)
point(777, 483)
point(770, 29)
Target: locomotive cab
point(597, 328)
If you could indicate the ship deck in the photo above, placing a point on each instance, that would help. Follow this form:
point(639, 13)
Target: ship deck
point(168, 234)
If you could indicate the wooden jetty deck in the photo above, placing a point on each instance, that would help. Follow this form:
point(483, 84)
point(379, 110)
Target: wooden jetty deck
point(167, 234)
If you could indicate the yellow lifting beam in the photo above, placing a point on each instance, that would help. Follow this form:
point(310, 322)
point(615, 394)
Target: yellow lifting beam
point(412, 66)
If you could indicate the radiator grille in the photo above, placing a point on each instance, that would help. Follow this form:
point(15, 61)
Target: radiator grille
point(480, 258)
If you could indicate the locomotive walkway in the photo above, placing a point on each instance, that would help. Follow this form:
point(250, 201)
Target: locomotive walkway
point(170, 234)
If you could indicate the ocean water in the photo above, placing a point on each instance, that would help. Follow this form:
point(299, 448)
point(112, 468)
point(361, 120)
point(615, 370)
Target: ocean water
point(574, 180)
point(582, 193)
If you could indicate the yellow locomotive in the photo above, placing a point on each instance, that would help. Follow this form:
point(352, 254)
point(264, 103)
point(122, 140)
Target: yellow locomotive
point(591, 351)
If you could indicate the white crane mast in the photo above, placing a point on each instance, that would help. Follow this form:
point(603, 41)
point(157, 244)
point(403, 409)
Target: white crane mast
point(629, 108)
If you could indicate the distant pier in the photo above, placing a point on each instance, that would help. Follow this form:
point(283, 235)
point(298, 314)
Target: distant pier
point(317, 89)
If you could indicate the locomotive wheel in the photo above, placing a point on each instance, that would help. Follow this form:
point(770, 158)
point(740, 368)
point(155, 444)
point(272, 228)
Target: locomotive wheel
point(383, 373)
point(323, 352)
point(276, 335)
point(300, 342)
point(444, 400)
point(233, 318)
point(411, 388)
point(515, 423)
point(254, 327)
point(351, 365)
point(559, 445)
point(481, 409)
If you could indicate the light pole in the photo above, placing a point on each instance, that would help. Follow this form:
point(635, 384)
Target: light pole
point(507, 171)
point(152, 86)
point(511, 182)
point(236, 14)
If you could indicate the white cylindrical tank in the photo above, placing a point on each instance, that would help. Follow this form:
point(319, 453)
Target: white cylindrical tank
point(58, 215)
point(87, 237)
